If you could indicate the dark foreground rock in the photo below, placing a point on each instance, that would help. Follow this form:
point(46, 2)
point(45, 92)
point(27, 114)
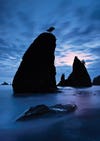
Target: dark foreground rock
point(96, 80)
point(40, 110)
point(36, 72)
point(79, 76)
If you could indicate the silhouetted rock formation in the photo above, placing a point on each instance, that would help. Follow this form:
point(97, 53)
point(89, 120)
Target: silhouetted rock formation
point(4, 83)
point(36, 72)
point(96, 80)
point(62, 80)
point(79, 76)
point(41, 110)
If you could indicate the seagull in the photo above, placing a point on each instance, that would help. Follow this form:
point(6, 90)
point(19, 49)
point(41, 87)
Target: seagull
point(50, 29)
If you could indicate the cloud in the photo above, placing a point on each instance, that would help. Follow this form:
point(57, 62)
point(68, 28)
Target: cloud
point(66, 58)
point(77, 29)
point(95, 51)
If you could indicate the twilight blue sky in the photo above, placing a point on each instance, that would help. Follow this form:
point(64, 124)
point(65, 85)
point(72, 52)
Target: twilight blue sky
point(77, 24)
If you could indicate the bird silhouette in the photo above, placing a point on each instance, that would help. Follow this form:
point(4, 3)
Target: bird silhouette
point(50, 29)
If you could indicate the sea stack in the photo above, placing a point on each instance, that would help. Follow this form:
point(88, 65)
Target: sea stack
point(79, 76)
point(96, 80)
point(36, 72)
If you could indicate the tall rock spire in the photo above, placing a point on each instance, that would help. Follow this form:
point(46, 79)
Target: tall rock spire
point(36, 72)
point(79, 76)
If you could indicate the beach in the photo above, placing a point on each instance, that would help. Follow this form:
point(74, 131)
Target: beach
point(80, 125)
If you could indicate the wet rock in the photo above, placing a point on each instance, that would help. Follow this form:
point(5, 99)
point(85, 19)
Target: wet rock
point(40, 110)
point(34, 112)
point(36, 72)
point(64, 108)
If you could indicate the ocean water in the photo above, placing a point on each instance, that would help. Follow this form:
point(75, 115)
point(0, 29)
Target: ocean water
point(81, 125)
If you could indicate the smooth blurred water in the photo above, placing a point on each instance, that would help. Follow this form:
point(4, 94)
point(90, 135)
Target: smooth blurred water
point(85, 121)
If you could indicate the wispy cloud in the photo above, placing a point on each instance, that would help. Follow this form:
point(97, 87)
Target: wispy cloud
point(66, 58)
point(77, 29)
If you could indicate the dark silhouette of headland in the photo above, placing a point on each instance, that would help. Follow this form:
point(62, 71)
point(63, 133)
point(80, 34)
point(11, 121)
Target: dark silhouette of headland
point(79, 76)
point(36, 72)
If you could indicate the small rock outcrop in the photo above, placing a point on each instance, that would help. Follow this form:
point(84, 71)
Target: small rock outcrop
point(96, 80)
point(62, 80)
point(36, 72)
point(41, 110)
point(79, 76)
point(4, 83)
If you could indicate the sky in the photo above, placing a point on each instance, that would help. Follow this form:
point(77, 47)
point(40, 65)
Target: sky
point(77, 29)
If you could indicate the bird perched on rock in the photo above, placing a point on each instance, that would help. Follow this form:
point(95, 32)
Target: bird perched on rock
point(50, 29)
